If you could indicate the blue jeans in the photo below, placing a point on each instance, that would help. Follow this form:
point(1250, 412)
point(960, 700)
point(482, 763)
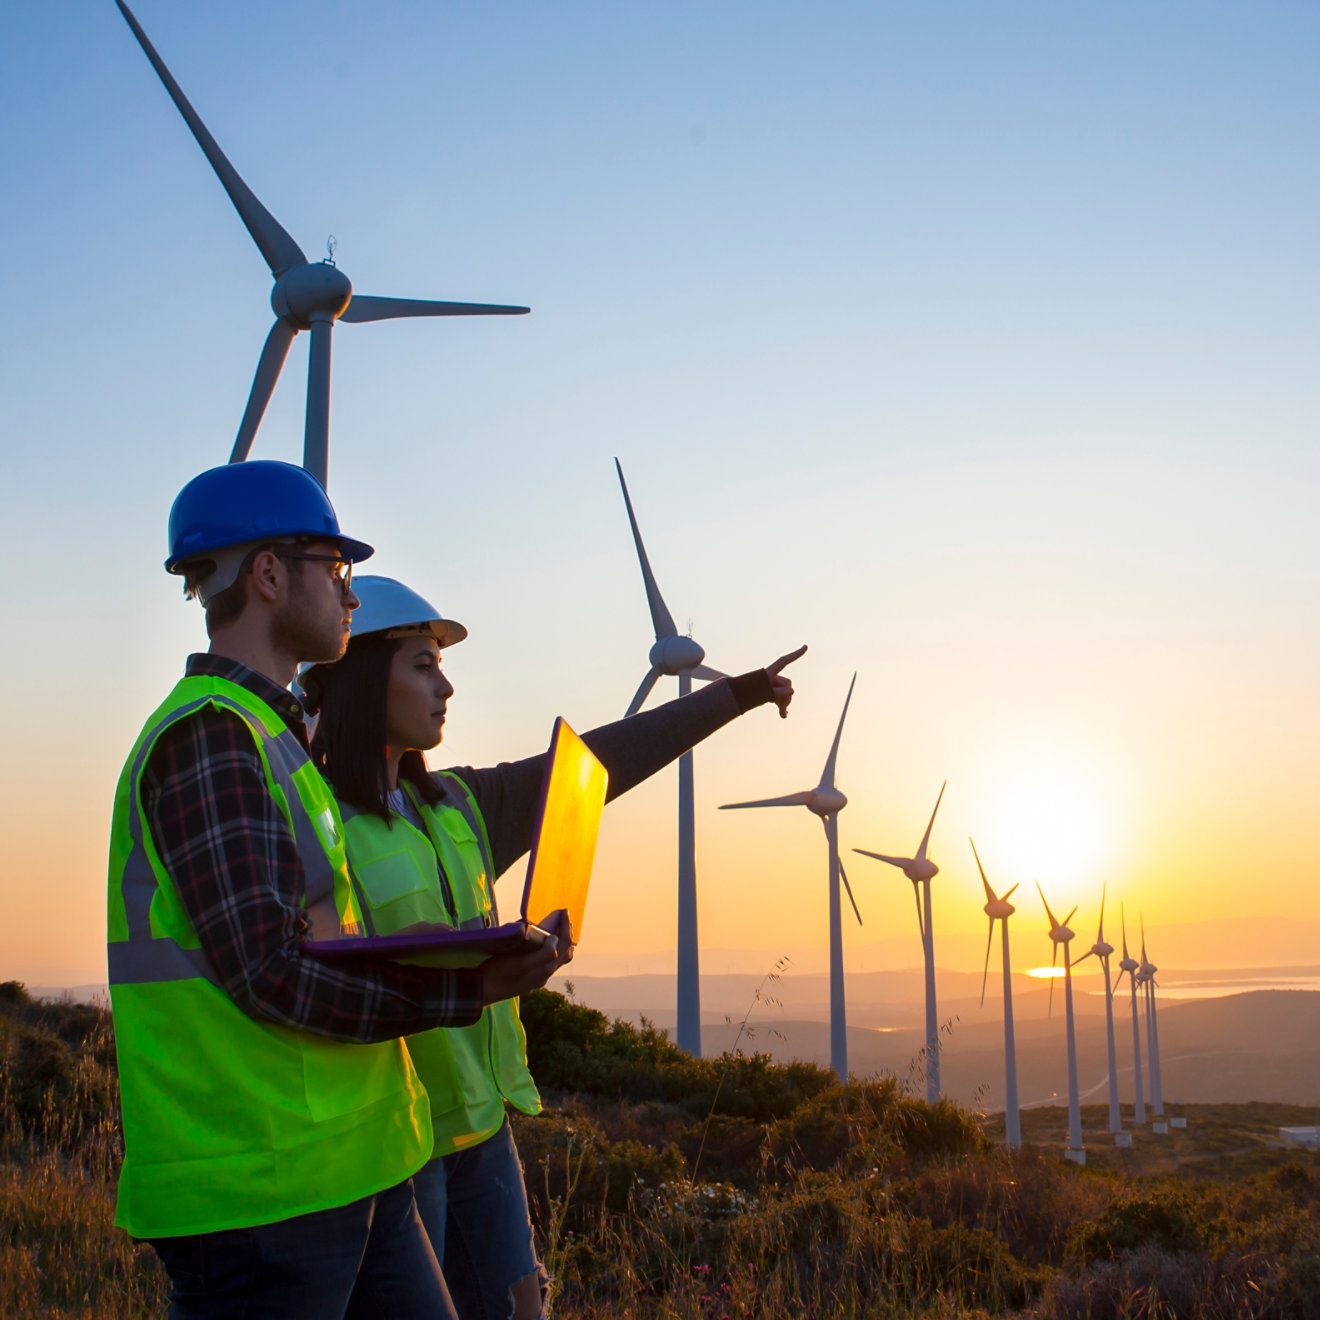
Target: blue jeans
point(474, 1206)
point(369, 1260)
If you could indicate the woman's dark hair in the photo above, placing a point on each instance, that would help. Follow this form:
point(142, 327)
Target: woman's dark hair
point(349, 745)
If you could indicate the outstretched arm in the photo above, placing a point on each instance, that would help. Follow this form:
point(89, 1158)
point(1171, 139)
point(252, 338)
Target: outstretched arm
point(631, 750)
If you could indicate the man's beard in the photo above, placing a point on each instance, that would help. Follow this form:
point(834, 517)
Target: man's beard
point(299, 631)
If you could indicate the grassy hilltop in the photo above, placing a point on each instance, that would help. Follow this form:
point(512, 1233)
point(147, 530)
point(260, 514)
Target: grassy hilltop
point(666, 1186)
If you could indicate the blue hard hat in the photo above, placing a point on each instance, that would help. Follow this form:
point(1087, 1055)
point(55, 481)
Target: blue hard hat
point(257, 501)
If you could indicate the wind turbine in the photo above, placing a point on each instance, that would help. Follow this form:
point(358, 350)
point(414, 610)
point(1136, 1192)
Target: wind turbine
point(1060, 934)
point(306, 296)
point(674, 655)
point(826, 801)
point(921, 871)
point(1101, 950)
point(1146, 978)
point(1129, 966)
point(1000, 909)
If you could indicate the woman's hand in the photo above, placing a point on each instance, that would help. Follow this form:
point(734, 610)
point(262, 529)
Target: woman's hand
point(781, 688)
point(508, 975)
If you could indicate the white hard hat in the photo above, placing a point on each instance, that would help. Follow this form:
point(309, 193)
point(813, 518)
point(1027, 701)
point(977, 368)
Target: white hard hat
point(393, 610)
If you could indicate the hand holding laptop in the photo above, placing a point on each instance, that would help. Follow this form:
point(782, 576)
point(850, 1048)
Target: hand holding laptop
point(508, 975)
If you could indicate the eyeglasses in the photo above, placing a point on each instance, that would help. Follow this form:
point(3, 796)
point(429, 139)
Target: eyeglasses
point(342, 572)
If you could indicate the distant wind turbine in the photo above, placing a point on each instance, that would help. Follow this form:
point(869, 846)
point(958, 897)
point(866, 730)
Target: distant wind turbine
point(1146, 978)
point(1101, 950)
point(307, 295)
point(1129, 967)
point(826, 801)
point(674, 655)
point(1000, 909)
point(1061, 935)
point(921, 871)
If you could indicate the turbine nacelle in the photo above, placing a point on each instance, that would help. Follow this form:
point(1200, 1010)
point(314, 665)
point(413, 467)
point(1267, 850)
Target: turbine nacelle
point(1000, 909)
point(1129, 965)
point(1061, 934)
point(1101, 949)
point(316, 289)
point(676, 655)
point(825, 801)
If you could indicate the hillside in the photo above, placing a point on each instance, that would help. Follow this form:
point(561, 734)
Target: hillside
point(670, 1188)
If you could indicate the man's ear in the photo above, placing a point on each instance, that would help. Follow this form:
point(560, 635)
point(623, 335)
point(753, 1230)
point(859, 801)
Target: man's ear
point(268, 576)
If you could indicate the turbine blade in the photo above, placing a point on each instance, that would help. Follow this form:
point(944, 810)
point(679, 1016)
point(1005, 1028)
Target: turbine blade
point(1123, 918)
point(1054, 925)
point(1010, 893)
point(1050, 1011)
point(880, 857)
point(788, 800)
point(989, 893)
point(1104, 893)
point(1090, 953)
point(921, 921)
point(660, 615)
point(1070, 915)
point(642, 692)
point(827, 775)
point(843, 875)
point(269, 366)
point(273, 240)
point(366, 308)
point(707, 673)
point(925, 838)
point(985, 971)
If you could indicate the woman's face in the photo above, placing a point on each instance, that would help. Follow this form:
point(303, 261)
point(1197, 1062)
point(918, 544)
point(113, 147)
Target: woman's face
point(416, 696)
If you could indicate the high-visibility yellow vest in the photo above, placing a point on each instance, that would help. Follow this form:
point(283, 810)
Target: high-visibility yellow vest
point(468, 1072)
point(230, 1121)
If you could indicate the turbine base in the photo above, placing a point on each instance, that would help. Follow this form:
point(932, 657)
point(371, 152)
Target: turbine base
point(1123, 1140)
point(1077, 1156)
point(1160, 1127)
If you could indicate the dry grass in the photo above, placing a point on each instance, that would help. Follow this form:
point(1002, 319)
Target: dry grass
point(860, 1203)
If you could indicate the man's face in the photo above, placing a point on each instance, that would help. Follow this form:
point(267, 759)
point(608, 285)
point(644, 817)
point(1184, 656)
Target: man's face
point(312, 621)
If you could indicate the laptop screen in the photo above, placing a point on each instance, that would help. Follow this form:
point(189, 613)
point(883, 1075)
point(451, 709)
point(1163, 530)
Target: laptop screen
point(572, 798)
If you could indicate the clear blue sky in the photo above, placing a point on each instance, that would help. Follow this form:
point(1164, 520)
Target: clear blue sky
point(975, 345)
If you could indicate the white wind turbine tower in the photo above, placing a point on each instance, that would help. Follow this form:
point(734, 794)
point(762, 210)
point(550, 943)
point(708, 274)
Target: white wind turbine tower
point(1130, 966)
point(1060, 934)
point(921, 871)
point(1000, 909)
point(1146, 978)
point(826, 801)
point(683, 658)
point(1101, 950)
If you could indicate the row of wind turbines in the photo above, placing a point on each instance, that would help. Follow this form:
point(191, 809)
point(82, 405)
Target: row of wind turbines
point(313, 296)
point(682, 657)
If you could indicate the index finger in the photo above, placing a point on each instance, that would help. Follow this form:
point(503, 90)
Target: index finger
point(785, 660)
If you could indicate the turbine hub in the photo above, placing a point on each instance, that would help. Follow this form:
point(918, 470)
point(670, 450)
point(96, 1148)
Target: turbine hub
point(1101, 949)
point(310, 291)
point(674, 655)
point(1001, 907)
point(826, 801)
point(919, 868)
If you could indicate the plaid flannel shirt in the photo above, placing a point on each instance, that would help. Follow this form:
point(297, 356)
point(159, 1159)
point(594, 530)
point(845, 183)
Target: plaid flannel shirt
point(237, 872)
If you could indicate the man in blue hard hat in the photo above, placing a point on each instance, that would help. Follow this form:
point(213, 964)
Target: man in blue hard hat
point(272, 1118)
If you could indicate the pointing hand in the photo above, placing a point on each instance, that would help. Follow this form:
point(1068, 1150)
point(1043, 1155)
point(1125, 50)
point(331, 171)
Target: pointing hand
point(781, 688)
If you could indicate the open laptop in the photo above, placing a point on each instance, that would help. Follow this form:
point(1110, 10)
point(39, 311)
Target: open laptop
point(558, 873)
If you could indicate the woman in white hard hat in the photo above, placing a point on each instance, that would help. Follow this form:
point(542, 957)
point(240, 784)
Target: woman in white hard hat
point(425, 848)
